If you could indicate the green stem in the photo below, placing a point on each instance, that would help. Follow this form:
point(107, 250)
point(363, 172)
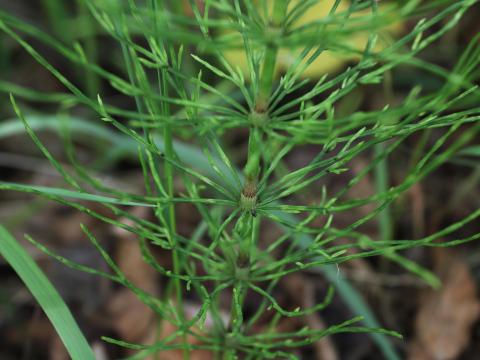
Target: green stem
point(271, 49)
point(382, 181)
point(169, 153)
point(57, 15)
point(266, 78)
point(92, 81)
point(252, 167)
point(172, 227)
point(167, 135)
point(279, 12)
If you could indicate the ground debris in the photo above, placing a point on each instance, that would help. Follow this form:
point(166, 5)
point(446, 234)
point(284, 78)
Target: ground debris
point(445, 317)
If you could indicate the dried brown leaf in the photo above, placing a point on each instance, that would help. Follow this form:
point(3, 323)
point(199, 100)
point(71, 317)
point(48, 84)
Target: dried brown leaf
point(445, 317)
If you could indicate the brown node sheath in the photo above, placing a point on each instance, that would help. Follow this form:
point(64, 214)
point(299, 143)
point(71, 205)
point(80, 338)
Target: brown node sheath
point(248, 197)
point(250, 189)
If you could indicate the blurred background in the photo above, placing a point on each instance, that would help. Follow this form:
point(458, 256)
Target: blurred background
point(436, 324)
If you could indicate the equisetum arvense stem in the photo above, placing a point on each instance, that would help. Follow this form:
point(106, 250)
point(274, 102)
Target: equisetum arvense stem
point(274, 29)
point(248, 196)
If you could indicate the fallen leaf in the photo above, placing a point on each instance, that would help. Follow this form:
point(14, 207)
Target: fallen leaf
point(303, 289)
point(445, 317)
point(168, 329)
point(132, 319)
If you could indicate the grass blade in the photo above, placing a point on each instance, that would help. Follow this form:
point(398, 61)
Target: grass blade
point(46, 295)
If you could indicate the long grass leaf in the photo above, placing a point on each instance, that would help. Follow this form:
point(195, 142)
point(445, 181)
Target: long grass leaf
point(46, 295)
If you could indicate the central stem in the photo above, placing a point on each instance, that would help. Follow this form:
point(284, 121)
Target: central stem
point(273, 29)
point(170, 211)
point(252, 170)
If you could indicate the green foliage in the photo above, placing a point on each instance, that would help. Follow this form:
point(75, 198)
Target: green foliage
point(188, 96)
point(46, 295)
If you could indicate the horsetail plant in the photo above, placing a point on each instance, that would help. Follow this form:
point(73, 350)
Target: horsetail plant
point(199, 71)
